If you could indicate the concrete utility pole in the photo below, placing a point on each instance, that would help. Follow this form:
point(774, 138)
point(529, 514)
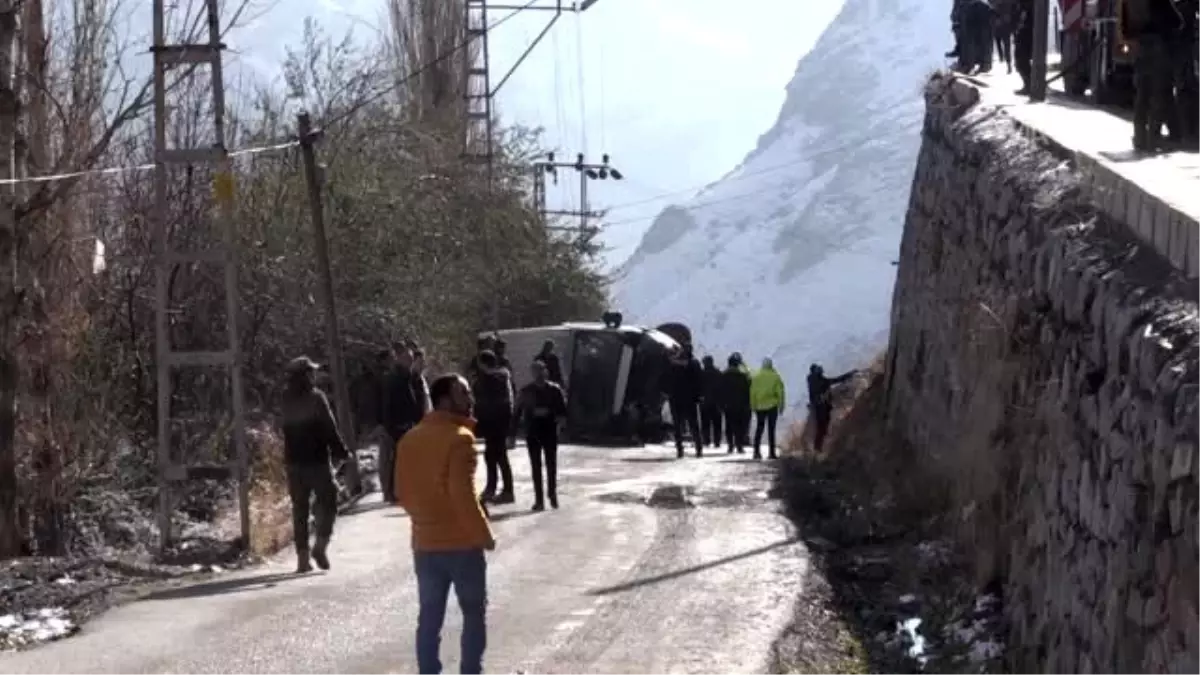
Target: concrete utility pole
point(1041, 24)
point(586, 170)
point(224, 254)
point(337, 362)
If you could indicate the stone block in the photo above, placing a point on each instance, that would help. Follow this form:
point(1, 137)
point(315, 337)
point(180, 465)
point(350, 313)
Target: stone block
point(1178, 254)
point(1131, 215)
point(1162, 227)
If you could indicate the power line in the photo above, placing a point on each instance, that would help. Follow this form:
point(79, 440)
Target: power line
point(282, 145)
point(115, 170)
point(424, 67)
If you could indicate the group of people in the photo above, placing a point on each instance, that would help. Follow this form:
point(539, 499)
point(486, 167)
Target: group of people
point(1163, 34)
point(704, 398)
point(985, 28)
point(430, 467)
point(500, 411)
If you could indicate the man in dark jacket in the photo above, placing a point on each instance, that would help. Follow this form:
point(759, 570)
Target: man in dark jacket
point(540, 406)
point(493, 414)
point(710, 405)
point(1023, 45)
point(310, 440)
point(820, 400)
point(1183, 56)
point(405, 403)
point(735, 403)
point(1155, 26)
point(687, 385)
point(975, 45)
point(553, 366)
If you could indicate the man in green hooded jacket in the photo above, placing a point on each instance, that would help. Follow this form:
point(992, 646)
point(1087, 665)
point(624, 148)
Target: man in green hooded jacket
point(767, 397)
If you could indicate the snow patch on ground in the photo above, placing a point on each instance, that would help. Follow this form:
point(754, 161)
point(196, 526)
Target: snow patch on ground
point(35, 626)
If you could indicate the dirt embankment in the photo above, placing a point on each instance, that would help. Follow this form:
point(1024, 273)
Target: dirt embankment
point(890, 591)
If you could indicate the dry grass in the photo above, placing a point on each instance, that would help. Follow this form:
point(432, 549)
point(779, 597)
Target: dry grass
point(867, 509)
point(270, 509)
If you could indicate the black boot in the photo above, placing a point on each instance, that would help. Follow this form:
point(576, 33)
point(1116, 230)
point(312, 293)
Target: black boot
point(553, 500)
point(505, 497)
point(303, 566)
point(318, 552)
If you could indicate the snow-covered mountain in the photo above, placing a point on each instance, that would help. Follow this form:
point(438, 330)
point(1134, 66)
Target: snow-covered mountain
point(790, 254)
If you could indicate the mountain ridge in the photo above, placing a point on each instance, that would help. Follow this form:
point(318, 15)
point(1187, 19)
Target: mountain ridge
point(794, 262)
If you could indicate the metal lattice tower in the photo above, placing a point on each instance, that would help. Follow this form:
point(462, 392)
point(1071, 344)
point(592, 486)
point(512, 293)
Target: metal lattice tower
point(172, 469)
point(478, 93)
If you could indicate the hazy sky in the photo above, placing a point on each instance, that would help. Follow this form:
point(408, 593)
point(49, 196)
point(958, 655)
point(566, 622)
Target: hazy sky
point(675, 91)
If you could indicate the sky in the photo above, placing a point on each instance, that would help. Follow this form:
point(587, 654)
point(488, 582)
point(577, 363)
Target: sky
point(675, 91)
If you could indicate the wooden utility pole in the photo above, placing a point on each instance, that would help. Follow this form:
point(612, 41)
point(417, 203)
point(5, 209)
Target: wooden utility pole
point(337, 365)
point(1041, 25)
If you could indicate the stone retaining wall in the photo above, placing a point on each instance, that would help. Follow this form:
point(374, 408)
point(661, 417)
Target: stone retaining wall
point(1044, 365)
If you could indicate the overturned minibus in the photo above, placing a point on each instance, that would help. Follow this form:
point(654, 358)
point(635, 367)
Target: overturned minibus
point(613, 375)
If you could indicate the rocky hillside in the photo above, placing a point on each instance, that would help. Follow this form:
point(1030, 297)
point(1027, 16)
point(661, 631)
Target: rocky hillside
point(791, 254)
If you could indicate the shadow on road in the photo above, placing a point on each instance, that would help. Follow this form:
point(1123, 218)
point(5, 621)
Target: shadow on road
point(224, 586)
point(638, 583)
point(507, 515)
point(649, 460)
point(366, 508)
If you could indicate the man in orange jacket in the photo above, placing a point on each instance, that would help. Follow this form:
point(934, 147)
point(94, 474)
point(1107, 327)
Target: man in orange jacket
point(449, 529)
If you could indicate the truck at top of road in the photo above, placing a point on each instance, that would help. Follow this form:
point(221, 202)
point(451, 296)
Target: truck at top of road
point(613, 375)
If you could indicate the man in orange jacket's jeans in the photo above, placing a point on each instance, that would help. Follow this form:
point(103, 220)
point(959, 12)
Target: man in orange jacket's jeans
point(450, 532)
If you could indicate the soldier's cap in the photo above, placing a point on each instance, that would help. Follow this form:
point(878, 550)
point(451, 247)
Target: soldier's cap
point(301, 364)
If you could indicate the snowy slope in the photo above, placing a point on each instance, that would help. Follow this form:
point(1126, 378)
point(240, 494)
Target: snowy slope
point(790, 255)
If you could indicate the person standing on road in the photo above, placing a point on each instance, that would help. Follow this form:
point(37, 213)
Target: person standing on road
point(687, 384)
point(553, 365)
point(820, 400)
point(1154, 26)
point(540, 406)
point(735, 395)
point(405, 402)
point(768, 397)
point(494, 410)
point(310, 440)
point(710, 405)
point(735, 403)
point(450, 532)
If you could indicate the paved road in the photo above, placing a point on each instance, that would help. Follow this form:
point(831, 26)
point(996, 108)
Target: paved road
point(608, 583)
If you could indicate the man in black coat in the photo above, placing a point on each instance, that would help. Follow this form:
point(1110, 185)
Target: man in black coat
point(1023, 44)
point(820, 400)
point(735, 403)
point(405, 403)
point(1155, 26)
point(687, 386)
point(540, 406)
point(710, 405)
point(493, 393)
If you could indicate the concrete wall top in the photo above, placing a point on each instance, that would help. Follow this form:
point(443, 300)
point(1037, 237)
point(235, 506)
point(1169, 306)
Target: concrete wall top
point(1157, 197)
